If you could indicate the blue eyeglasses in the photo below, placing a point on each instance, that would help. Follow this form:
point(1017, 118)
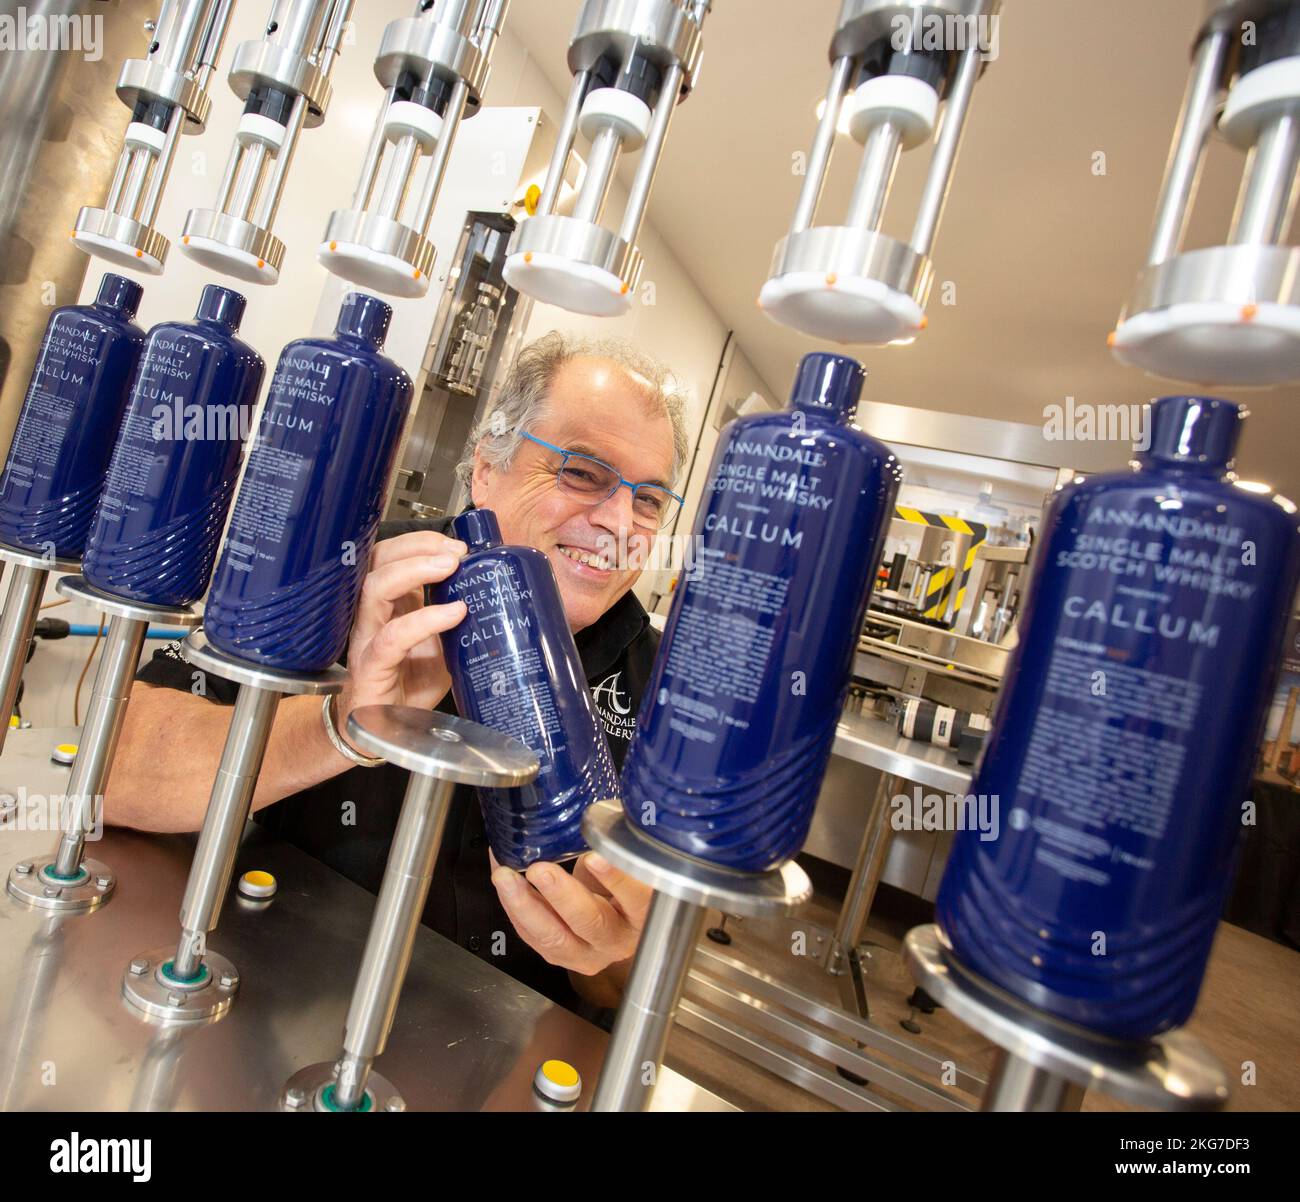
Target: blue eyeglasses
point(592, 481)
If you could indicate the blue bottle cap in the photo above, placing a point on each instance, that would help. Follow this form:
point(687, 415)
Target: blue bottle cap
point(830, 382)
point(225, 306)
point(477, 529)
point(1193, 431)
point(366, 317)
point(121, 295)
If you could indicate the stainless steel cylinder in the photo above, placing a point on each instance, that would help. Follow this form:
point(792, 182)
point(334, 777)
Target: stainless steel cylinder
point(880, 155)
point(98, 742)
point(392, 933)
point(1017, 1086)
point(645, 1018)
point(1270, 186)
point(223, 825)
point(1187, 154)
point(17, 622)
point(865, 880)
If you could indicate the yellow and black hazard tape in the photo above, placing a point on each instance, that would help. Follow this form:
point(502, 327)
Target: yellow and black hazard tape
point(941, 583)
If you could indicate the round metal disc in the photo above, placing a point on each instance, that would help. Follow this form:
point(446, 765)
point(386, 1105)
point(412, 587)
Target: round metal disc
point(202, 654)
point(304, 1092)
point(442, 746)
point(145, 987)
point(78, 588)
point(30, 884)
point(120, 240)
point(25, 559)
point(744, 894)
point(1175, 1071)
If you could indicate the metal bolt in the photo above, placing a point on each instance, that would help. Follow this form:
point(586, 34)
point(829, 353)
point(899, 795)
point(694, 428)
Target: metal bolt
point(295, 1098)
point(24, 869)
point(176, 999)
point(229, 980)
point(103, 881)
point(139, 967)
point(395, 1104)
point(52, 891)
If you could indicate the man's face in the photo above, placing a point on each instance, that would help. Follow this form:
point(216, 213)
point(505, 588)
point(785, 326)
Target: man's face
point(596, 408)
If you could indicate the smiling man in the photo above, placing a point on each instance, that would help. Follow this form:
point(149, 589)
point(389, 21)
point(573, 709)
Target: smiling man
point(578, 458)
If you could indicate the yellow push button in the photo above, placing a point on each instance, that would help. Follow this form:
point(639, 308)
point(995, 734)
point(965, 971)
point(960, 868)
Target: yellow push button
point(558, 1081)
point(257, 884)
point(64, 753)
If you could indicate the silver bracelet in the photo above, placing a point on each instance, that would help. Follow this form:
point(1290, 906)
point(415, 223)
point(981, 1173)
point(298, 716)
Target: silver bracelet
point(327, 717)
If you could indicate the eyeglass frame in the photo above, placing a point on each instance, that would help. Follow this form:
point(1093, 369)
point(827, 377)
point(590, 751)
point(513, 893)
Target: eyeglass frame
point(565, 456)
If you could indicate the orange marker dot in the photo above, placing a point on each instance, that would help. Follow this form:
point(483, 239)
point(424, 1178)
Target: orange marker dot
point(139, 254)
point(334, 246)
point(1249, 312)
point(416, 276)
point(925, 322)
point(625, 289)
point(186, 239)
point(832, 279)
point(1112, 338)
point(261, 263)
point(528, 257)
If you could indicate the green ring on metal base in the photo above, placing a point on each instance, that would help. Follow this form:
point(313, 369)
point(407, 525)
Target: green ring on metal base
point(50, 877)
point(327, 1100)
point(199, 978)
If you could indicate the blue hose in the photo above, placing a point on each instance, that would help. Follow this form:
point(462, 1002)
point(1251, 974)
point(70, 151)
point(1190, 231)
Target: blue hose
point(154, 632)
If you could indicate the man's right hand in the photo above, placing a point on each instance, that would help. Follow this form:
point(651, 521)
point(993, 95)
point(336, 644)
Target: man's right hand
point(394, 653)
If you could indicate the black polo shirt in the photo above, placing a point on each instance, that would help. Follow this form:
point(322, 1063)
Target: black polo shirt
point(348, 821)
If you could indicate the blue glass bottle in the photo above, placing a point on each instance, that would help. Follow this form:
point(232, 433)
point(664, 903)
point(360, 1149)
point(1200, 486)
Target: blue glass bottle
point(176, 458)
point(1124, 740)
point(79, 388)
point(290, 574)
point(739, 716)
point(515, 668)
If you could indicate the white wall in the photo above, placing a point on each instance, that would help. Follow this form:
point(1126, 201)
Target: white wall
point(671, 320)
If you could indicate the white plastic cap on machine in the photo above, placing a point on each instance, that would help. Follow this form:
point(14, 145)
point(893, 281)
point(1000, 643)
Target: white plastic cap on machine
point(230, 260)
point(372, 269)
point(911, 104)
point(578, 287)
point(1213, 342)
point(841, 309)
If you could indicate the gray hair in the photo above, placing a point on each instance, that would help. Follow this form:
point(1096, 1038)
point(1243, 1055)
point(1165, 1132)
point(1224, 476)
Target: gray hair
point(522, 400)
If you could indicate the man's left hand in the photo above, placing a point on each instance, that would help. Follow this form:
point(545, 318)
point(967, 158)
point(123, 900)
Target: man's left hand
point(584, 922)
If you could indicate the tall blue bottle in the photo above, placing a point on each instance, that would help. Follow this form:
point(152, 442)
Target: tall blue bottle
point(515, 668)
point(79, 388)
point(176, 458)
point(1124, 740)
point(738, 719)
point(296, 555)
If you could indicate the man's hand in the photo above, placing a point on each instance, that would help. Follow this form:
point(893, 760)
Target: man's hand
point(588, 922)
point(394, 654)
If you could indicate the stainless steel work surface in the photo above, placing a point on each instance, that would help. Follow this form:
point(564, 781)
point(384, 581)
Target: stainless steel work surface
point(877, 744)
point(466, 1036)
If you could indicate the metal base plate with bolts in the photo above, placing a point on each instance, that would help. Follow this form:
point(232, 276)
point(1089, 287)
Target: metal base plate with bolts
point(25, 559)
point(746, 895)
point(30, 883)
point(147, 987)
point(309, 1090)
point(1173, 1072)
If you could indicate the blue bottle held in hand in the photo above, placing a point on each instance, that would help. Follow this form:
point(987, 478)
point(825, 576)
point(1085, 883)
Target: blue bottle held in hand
point(286, 587)
point(1126, 734)
point(79, 388)
point(739, 716)
point(515, 668)
point(176, 458)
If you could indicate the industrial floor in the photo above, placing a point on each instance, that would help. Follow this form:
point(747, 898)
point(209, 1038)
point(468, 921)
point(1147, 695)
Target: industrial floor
point(1248, 1014)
